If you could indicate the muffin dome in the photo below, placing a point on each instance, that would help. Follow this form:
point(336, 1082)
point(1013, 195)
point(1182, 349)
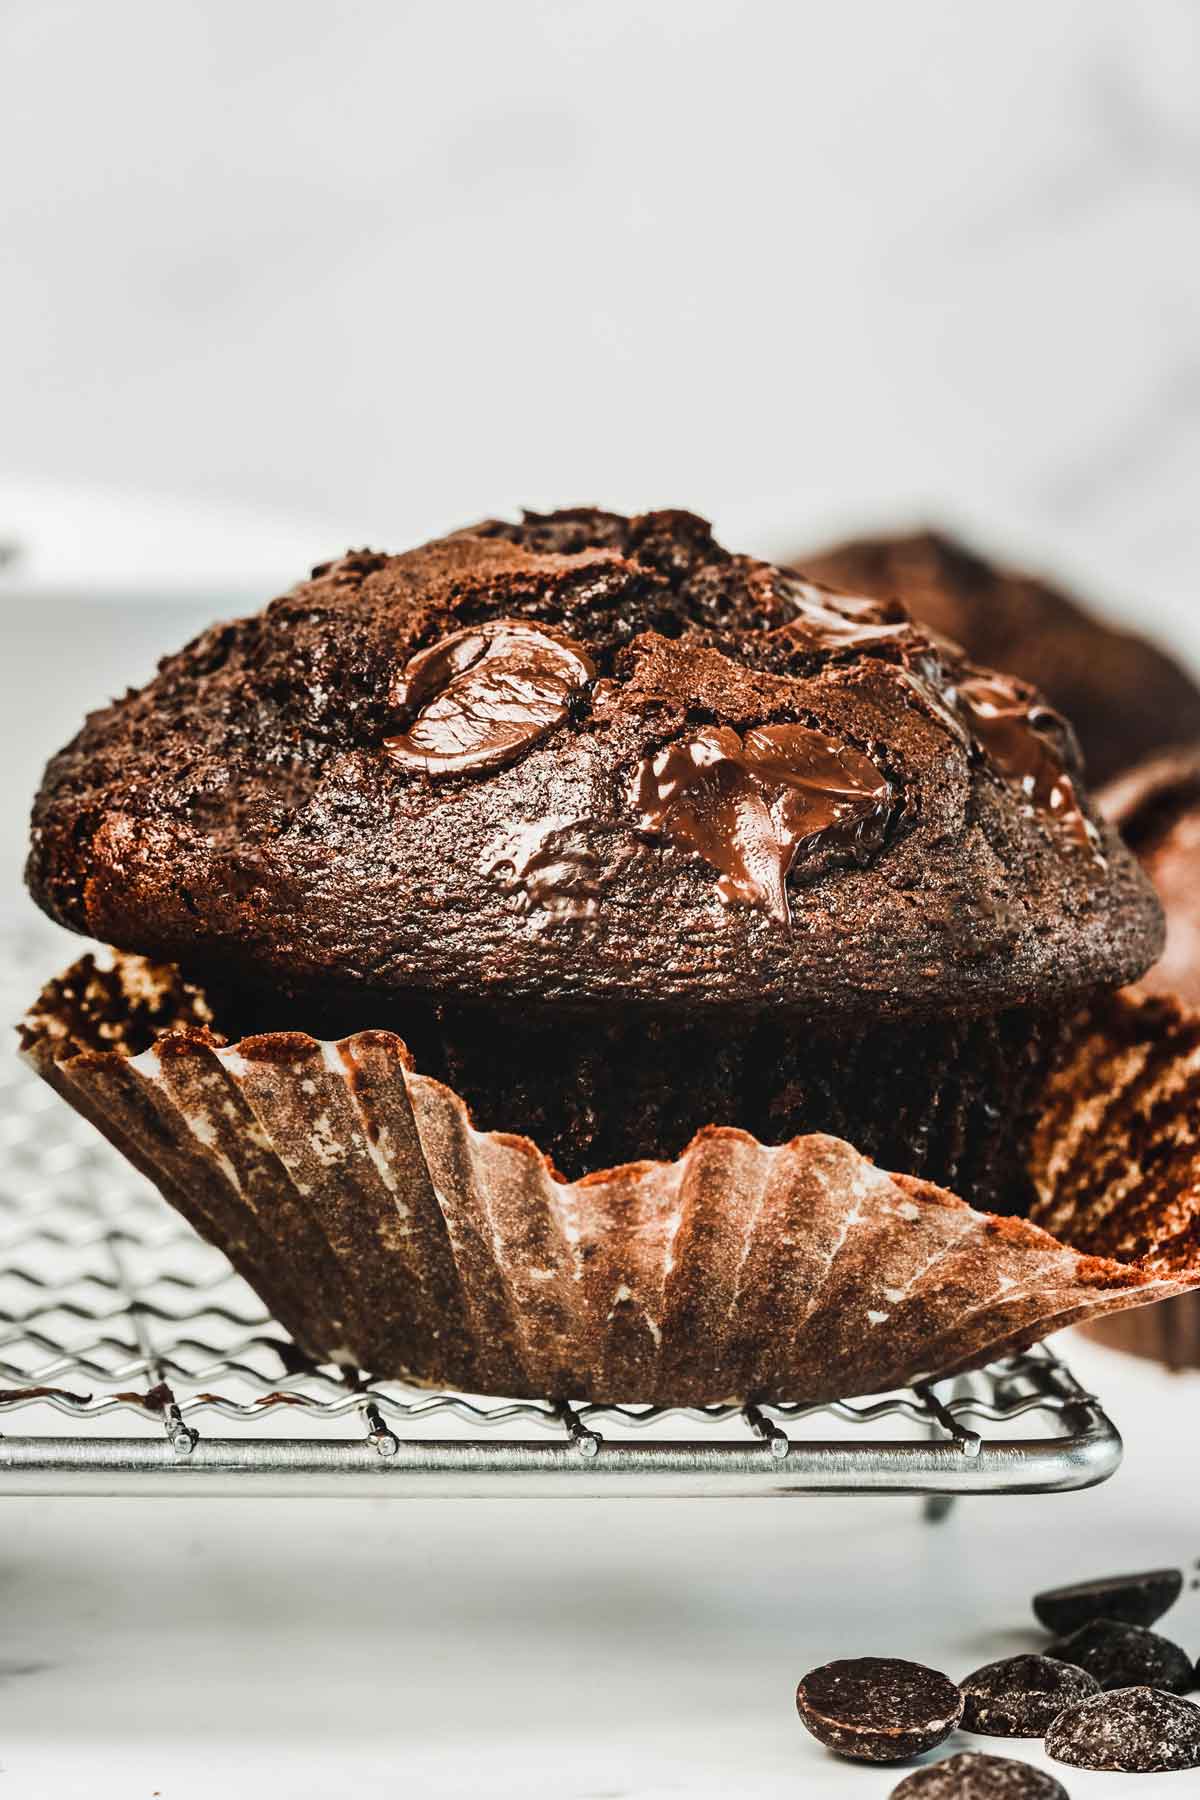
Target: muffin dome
point(1124, 696)
point(590, 758)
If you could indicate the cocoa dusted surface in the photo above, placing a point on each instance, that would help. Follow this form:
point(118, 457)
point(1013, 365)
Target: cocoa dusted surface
point(1134, 1731)
point(1124, 696)
point(878, 1708)
point(243, 815)
point(970, 1776)
point(1021, 1696)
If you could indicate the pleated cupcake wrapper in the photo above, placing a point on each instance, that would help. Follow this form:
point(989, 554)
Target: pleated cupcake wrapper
point(386, 1232)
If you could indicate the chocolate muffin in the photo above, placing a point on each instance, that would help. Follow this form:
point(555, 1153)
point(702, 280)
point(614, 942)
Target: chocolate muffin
point(623, 834)
point(1124, 696)
point(698, 884)
point(1156, 807)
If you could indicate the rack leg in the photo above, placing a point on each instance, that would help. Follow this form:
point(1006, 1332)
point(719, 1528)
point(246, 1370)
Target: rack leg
point(936, 1507)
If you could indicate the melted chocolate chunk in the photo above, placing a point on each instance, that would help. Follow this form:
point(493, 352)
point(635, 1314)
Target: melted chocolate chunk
point(1012, 729)
point(878, 1708)
point(753, 806)
point(1135, 1731)
point(1125, 1599)
point(924, 675)
point(1021, 1696)
point(481, 697)
point(970, 1776)
point(558, 867)
point(1121, 1656)
point(824, 620)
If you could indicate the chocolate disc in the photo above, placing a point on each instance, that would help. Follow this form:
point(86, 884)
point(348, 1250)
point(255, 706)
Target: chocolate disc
point(826, 620)
point(1133, 1731)
point(969, 1776)
point(878, 1708)
point(1127, 1599)
point(1021, 1696)
point(482, 696)
point(1019, 732)
point(1122, 1656)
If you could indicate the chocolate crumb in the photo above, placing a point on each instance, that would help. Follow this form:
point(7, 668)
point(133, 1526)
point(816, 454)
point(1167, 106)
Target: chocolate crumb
point(1021, 1696)
point(1129, 1599)
point(1123, 1656)
point(970, 1776)
point(878, 1708)
point(1133, 1731)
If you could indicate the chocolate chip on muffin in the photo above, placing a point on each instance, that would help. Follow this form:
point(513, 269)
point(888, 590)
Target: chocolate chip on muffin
point(1124, 696)
point(1137, 1599)
point(878, 1708)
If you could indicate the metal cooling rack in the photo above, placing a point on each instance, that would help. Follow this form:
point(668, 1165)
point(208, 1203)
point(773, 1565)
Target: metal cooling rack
point(134, 1361)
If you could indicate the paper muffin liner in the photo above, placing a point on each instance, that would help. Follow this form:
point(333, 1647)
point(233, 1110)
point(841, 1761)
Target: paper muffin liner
point(386, 1232)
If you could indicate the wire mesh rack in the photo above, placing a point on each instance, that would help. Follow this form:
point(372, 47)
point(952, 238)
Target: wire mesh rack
point(134, 1361)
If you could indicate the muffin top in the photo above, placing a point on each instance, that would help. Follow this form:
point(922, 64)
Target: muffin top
point(588, 758)
point(1124, 696)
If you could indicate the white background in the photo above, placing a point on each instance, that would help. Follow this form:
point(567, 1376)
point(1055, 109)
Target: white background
point(280, 277)
point(382, 267)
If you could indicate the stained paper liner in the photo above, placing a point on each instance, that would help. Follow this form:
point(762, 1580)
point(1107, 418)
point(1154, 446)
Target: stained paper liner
point(386, 1232)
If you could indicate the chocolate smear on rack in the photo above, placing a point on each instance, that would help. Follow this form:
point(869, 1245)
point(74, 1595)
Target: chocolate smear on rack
point(1121, 1656)
point(1016, 729)
point(754, 805)
point(482, 696)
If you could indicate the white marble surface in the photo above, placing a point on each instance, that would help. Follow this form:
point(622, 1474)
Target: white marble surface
point(577, 1651)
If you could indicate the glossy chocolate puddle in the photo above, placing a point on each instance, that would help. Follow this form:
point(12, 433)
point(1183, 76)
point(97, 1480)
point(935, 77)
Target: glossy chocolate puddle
point(754, 805)
point(1012, 730)
point(482, 697)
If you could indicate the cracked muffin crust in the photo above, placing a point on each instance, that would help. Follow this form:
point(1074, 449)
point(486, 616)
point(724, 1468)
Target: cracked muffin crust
point(1123, 694)
point(587, 760)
